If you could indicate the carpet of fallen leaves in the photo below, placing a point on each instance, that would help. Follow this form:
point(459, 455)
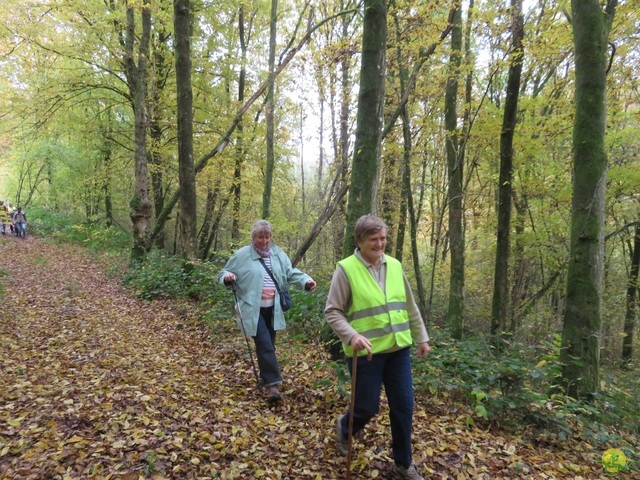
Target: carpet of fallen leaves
point(97, 384)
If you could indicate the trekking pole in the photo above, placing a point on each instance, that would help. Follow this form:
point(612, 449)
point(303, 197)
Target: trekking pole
point(244, 331)
point(354, 371)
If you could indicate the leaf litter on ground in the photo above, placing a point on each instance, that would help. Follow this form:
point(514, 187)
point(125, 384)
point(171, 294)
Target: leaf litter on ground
point(95, 383)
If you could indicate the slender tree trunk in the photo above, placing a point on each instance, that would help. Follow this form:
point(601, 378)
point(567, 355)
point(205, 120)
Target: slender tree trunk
point(329, 210)
point(500, 303)
point(632, 301)
point(343, 146)
point(413, 228)
point(455, 311)
point(268, 177)
point(186, 171)
point(157, 178)
point(240, 149)
point(364, 172)
point(207, 220)
point(405, 169)
point(107, 132)
point(580, 353)
point(141, 213)
point(521, 269)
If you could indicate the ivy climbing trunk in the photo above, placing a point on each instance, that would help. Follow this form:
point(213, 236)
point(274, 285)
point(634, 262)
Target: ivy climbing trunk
point(364, 171)
point(141, 211)
point(580, 353)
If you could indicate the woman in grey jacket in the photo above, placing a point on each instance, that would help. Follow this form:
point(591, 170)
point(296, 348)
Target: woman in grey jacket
point(258, 298)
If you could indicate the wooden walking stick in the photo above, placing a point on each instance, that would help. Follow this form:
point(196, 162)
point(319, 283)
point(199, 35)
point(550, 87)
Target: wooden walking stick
point(354, 371)
point(244, 331)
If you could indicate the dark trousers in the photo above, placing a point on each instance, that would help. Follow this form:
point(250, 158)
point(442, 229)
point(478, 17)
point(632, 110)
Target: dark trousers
point(393, 370)
point(265, 341)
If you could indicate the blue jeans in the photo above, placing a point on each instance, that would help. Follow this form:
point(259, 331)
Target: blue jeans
point(393, 370)
point(265, 341)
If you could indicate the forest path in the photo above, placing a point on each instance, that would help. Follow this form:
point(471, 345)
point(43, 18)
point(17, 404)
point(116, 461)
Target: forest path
point(97, 384)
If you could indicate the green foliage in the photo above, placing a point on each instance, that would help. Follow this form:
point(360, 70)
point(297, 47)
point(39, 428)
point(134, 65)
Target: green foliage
point(504, 386)
point(67, 228)
point(2, 274)
point(164, 276)
point(617, 401)
point(517, 386)
point(305, 319)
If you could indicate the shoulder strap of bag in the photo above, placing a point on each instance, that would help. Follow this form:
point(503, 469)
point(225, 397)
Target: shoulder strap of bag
point(270, 274)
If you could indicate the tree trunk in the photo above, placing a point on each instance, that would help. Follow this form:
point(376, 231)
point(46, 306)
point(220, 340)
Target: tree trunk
point(329, 210)
point(240, 149)
point(210, 205)
point(161, 67)
point(107, 153)
point(364, 172)
point(455, 310)
point(413, 226)
point(186, 171)
point(137, 79)
point(268, 176)
point(405, 168)
point(344, 132)
point(580, 353)
point(519, 285)
point(500, 303)
point(632, 300)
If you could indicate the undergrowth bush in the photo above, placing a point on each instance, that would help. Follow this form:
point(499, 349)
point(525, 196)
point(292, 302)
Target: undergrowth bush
point(61, 227)
point(165, 276)
point(513, 387)
point(498, 384)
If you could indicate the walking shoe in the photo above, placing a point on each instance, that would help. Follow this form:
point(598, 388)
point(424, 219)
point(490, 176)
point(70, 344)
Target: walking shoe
point(342, 443)
point(402, 473)
point(273, 394)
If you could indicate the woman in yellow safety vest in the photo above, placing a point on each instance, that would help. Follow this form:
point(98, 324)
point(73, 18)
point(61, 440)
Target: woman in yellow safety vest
point(370, 307)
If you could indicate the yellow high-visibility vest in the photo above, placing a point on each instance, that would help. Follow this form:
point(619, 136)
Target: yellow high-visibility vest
point(381, 318)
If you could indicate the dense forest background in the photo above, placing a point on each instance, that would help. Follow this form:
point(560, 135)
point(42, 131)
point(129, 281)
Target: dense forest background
point(92, 129)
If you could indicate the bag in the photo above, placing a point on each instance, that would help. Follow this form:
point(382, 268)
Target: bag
point(285, 298)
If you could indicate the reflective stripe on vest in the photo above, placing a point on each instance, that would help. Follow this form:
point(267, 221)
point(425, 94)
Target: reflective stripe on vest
point(383, 319)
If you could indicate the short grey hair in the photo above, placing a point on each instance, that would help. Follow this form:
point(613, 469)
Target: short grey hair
point(367, 225)
point(261, 226)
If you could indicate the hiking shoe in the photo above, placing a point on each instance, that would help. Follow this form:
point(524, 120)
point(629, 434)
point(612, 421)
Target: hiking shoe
point(402, 473)
point(273, 394)
point(342, 443)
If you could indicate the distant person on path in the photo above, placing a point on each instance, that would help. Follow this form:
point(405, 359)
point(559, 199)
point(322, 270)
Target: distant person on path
point(19, 220)
point(5, 219)
point(370, 307)
point(258, 298)
point(10, 210)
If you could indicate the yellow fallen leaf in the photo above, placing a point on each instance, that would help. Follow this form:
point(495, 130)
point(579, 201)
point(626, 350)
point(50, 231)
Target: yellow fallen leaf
point(15, 422)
